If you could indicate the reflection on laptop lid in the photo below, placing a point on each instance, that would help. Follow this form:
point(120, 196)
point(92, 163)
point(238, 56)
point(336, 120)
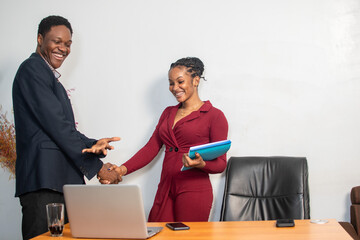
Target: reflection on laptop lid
point(106, 211)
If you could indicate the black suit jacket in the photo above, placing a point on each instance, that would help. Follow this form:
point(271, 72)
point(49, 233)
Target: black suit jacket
point(48, 146)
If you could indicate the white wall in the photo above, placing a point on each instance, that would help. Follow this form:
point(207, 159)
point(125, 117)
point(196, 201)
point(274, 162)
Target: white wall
point(285, 73)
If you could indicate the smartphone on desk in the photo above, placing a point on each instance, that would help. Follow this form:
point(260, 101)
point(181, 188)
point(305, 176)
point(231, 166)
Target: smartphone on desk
point(285, 223)
point(177, 226)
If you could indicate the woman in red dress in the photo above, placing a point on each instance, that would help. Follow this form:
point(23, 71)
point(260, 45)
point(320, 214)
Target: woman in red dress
point(183, 195)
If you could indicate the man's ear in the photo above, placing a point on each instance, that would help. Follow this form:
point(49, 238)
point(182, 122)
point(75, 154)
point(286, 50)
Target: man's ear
point(40, 40)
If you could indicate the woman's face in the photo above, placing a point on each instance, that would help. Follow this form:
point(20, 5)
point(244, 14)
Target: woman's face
point(181, 84)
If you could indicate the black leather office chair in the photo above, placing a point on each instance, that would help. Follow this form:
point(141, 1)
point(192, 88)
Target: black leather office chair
point(266, 188)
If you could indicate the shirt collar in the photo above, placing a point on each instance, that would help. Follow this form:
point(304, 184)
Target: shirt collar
point(56, 73)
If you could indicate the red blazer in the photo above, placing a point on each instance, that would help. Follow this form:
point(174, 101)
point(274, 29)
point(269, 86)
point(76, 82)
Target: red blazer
point(206, 125)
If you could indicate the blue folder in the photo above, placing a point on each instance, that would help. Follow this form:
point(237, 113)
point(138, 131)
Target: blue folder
point(209, 151)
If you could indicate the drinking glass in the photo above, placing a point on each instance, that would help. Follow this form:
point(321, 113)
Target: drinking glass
point(55, 218)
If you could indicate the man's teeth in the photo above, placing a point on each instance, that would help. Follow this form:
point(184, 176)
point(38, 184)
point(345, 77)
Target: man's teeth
point(58, 55)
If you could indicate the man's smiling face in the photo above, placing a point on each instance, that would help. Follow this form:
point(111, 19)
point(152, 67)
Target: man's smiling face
point(55, 45)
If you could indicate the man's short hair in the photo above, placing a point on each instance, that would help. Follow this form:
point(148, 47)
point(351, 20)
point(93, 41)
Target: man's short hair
point(50, 21)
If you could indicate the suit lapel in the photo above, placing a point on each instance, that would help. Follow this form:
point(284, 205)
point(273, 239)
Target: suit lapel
point(204, 108)
point(170, 123)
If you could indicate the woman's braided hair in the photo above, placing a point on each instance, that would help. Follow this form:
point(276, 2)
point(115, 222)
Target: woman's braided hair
point(195, 66)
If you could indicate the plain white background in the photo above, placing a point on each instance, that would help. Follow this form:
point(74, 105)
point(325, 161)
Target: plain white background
point(285, 73)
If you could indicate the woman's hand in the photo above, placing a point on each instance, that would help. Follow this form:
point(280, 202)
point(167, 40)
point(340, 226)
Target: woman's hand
point(121, 170)
point(197, 162)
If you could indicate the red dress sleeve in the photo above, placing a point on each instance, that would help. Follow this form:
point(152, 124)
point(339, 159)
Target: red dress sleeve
point(147, 153)
point(218, 131)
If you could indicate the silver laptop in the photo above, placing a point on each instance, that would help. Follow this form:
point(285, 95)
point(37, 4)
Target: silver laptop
point(107, 211)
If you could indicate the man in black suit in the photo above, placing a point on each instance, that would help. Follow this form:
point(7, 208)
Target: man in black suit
point(50, 150)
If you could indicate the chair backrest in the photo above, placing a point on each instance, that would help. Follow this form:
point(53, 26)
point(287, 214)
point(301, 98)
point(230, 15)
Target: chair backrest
point(355, 208)
point(266, 188)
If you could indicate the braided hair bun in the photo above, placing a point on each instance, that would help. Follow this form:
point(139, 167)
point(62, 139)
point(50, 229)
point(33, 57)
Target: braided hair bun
point(195, 66)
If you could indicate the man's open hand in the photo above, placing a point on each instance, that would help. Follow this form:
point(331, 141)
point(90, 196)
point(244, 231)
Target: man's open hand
point(101, 146)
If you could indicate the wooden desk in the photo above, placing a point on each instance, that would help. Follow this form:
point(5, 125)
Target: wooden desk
point(303, 230)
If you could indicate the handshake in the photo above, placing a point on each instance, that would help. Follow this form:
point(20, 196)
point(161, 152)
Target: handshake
point(111, 174)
